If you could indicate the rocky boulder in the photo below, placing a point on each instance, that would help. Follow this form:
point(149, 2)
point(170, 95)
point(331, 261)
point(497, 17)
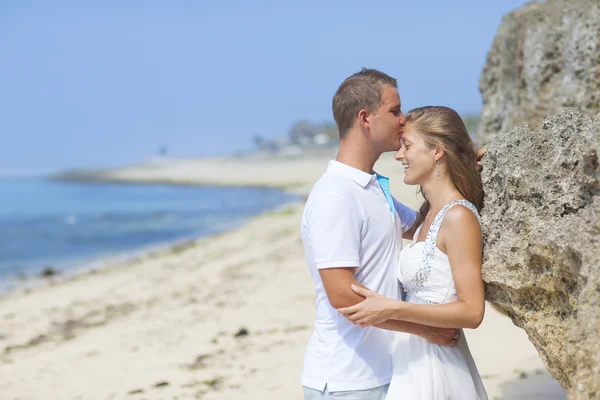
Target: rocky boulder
point(541, 223)
point(545, 58)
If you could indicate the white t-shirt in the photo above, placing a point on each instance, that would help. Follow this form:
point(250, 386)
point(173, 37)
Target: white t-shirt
point(347, 222)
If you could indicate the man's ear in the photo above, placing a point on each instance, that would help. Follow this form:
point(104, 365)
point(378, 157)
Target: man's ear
point(363, 120)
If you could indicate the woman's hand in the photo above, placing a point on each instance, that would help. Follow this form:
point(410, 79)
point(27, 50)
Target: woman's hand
point(480, 154)
point(373, 310)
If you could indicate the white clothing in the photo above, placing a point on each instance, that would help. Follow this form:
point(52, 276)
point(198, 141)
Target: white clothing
point(347, 222)
point(424, 371)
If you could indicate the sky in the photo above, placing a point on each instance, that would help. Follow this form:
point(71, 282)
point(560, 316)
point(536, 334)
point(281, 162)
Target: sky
point(101, 84)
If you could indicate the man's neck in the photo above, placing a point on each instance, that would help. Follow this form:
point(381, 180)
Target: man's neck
point(357, 155)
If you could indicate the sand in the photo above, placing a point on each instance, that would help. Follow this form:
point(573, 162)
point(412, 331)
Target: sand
point(222, 317)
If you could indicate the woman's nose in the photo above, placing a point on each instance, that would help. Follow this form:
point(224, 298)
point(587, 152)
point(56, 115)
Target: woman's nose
point(399, 155)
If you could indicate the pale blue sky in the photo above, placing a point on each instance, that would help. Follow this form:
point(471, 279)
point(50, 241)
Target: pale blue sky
point(90, 85)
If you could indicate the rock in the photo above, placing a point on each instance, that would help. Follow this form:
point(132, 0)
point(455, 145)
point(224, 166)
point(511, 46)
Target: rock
point(522, 375)
point(214, 383)
point(545, 58)
point(541, 226)
point(48, 272)
point(541, 215)
point(242, 332)
point(200, 362)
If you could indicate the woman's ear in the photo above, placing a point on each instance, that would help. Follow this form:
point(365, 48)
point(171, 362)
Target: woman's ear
point(438, 152)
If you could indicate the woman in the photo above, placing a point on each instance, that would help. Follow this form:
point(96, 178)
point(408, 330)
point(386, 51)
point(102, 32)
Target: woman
point(441, 271)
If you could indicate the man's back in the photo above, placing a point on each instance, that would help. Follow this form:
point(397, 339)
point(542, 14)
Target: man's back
point(347, 222)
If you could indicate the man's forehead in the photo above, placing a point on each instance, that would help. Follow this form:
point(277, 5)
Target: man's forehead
point(391, 94)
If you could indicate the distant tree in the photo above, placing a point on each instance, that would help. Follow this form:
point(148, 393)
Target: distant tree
point(258, 141)
point(471, 123)
point(163, 149)
point(331, 131)
point(263, 144)
point(303, 132)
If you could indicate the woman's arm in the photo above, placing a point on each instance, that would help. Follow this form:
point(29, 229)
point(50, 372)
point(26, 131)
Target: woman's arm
point(460, 236)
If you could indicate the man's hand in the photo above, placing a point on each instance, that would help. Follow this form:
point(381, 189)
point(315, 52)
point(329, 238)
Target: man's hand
point(441, 336)
point(480, 154)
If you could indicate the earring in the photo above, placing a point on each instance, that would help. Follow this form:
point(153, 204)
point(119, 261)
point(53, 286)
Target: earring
point(437, 169)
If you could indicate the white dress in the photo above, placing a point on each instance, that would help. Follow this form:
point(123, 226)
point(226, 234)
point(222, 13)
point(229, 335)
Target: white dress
point(424, 371)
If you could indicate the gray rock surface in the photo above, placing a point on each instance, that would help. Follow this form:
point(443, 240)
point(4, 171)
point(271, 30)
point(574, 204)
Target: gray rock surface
point(545, 58)
point(541, 223)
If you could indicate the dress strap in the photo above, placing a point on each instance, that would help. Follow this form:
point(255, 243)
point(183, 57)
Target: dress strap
point(431, 241)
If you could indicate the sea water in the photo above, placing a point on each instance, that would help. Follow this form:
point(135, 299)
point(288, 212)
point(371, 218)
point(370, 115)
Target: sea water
point(58, 225)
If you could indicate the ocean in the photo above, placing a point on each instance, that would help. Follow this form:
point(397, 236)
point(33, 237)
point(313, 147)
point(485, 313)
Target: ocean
point(64, 226)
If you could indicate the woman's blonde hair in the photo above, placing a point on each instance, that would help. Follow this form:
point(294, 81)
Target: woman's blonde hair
point(442, 126)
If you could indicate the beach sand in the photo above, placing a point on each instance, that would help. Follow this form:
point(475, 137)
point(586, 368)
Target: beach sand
point(222, 317)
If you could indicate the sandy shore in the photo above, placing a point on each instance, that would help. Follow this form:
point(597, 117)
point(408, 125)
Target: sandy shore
point(223, 317)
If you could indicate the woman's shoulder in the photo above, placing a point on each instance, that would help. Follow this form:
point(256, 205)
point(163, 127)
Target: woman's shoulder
point(460, 214)
point(460, 225)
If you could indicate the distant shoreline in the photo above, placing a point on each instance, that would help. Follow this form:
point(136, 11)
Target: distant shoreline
point(294, 175)
point(92, 178)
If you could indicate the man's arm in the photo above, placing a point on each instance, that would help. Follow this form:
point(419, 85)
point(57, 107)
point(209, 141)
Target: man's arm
point(410, 233)
point(440, 336)
point(337, 283)
point(409, 218)
point(333, 227)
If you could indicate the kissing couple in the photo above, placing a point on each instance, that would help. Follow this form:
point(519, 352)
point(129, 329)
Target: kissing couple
point(389, 318)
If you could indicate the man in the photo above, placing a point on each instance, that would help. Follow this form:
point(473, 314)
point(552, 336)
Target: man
point(352, 232)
